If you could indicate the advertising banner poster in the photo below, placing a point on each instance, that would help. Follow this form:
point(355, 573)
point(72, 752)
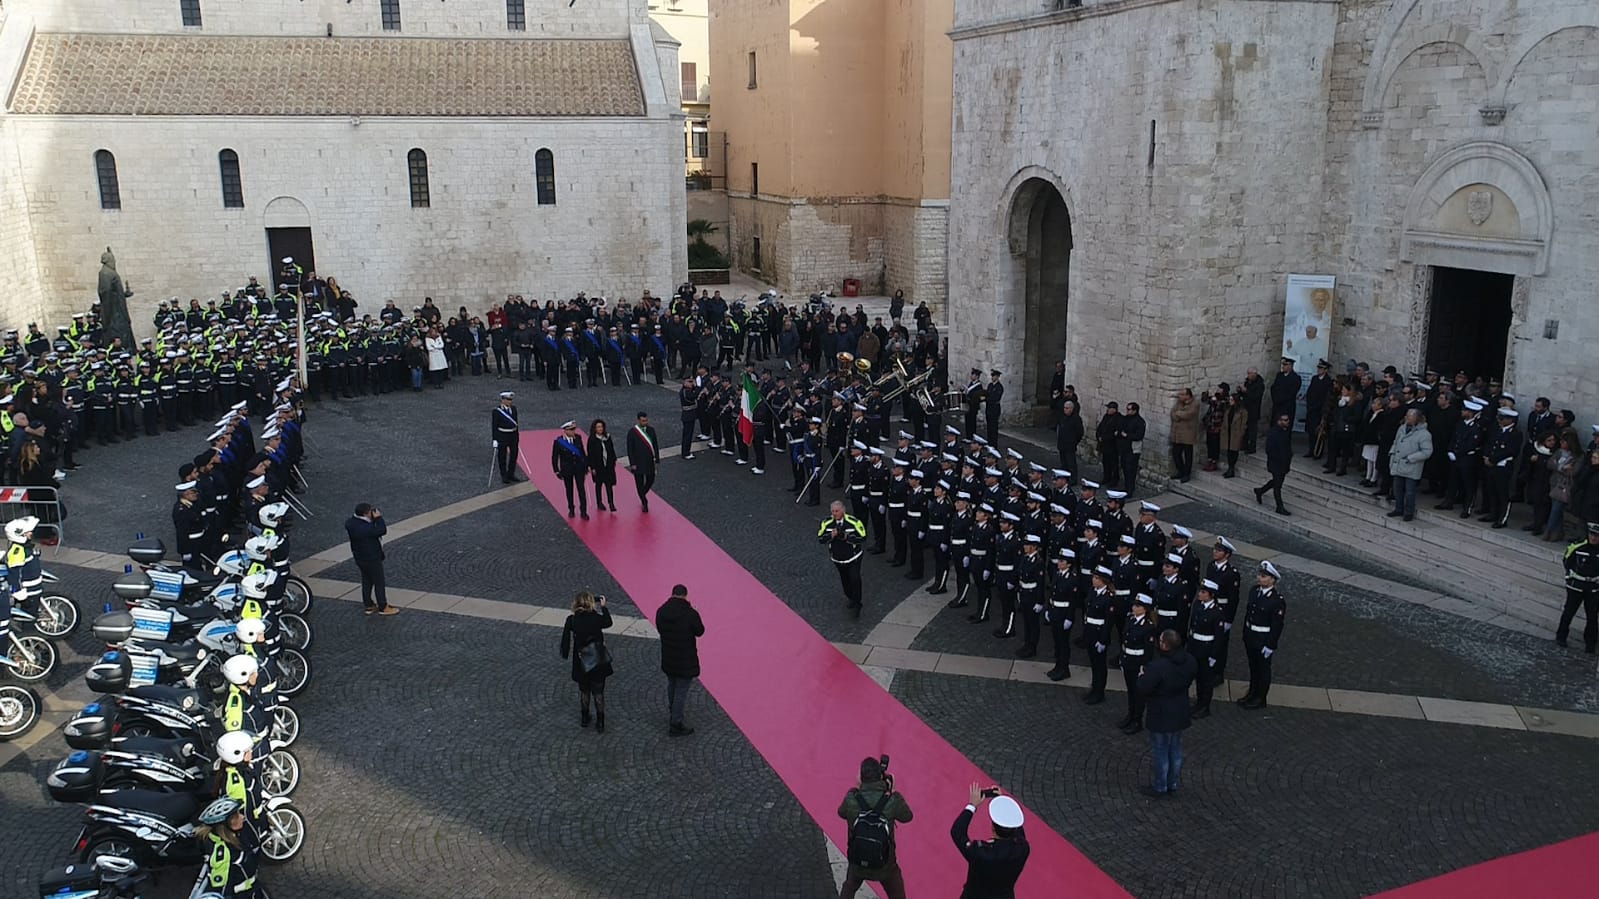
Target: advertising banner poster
point(1307, 329)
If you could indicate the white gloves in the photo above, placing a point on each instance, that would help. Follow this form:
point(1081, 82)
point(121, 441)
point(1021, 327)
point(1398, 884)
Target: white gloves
point(496, 444)
point(1452, 457)
point(1212, 663)
point(1037, 609)
point(1099, 647)
point(1265, 652)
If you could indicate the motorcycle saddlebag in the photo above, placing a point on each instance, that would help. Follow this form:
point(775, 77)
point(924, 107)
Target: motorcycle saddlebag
point(91, 727)
point(77, 778)
point(70, 882)
point(110, 673)
point(148, 551)
point(134, 585)
point(113, 627)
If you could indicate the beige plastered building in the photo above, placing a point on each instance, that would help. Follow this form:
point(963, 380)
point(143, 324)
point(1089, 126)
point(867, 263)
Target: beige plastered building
point(837, 116)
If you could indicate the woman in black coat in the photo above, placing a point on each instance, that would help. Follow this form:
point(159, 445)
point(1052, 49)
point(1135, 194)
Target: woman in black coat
point(602, 463)
point(585, 628)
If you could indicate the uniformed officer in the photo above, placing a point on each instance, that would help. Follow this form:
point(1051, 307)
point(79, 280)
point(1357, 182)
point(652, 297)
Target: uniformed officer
point(916, 499)
point(570, 462)
point(1465, 448)
point(1582, 589)
point(1150, 539)
point(1097, 609)
point(843, 534)
point(1030, 589)
point(972, 396)
point(940, 512)
point(960, 538)
point(1007, 553)
point(877, 480)
point(1263, 627)
point(1228, 594)
point(992, 394)
point(1501, 449)
point(1063, 588)
point(898, 491)
point(1138, 649)
point(812, 463)
point(980, 555)
point(1171, 595)
point(1207, 629)
point(506, 436)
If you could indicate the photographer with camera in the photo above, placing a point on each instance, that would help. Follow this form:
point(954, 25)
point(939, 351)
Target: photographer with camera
point(872, 809)
point(992, 866)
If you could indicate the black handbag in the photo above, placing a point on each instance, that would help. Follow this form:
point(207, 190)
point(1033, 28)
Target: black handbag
point(593, 656)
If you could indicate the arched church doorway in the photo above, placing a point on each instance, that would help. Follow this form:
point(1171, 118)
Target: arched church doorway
point(1041, 236)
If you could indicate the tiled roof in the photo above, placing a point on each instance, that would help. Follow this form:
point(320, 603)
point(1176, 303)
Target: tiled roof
point(102, 74)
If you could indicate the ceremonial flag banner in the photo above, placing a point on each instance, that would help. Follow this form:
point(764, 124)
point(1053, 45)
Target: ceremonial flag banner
point(746, 410)
point(1307, 329)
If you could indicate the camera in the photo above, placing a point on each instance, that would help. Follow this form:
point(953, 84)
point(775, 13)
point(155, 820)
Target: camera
point(990, 792)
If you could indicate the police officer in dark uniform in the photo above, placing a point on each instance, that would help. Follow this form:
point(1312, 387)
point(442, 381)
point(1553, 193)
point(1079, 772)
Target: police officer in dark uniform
point(1098, 606)
point(843, 534)
point(992, 866)
point(506, 436)
point(972, 396)
point(1263, 627)
point(1149, 540)
point(877, 482)
point(940, 512)
point(1171, 594)
point(898, 491)
point(149, 399)
point(1064, 586)
point(811, 463)
point(961, 523)
point(1206, 631)
point(1228, 581)
point(916, 499)
point(1007, 553)
point(992, 394)
point(1030, 590)
point(1582, 589)
point(1138, 650)
point(1465, 447)
point(688, 402)
point(980, 556)
point(1501, 449)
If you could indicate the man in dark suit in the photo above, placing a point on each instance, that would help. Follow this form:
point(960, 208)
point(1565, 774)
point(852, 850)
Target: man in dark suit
point(680, 627)
point(366, 530)
point(643, 455)
point(1164, 684)
point(992, 866)
point(1279, 458)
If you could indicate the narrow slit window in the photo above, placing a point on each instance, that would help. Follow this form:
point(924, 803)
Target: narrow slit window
point(105, 171)
point(417, 162)
point(232, 184)
point(544, 176)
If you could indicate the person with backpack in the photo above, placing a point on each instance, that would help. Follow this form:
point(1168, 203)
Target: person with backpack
point(872, 809)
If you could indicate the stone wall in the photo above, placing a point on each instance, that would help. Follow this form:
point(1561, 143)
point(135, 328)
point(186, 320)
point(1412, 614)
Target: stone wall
point(1178, 263)
point(616, 226)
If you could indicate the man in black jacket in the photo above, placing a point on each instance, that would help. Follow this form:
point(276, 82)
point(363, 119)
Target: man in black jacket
point(643, 455)
point(1068, 434)
point(1279, 458)
point(366, 530)
point(992, 866)
point(1164, 684)
point(1285, 390)
point(1254, 388)
point(680, 628)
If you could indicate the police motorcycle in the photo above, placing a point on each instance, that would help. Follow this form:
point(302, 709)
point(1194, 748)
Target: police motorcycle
point(220, 594)
point(108, 877)
point(28, 656)
point(86, 778)
point(146, 634)
point(19, 706)
point(55, 615)
point(181, 721)
point(268, 552)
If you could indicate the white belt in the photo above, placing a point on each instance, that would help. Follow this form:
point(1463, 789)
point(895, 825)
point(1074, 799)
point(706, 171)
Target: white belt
point(196, 536)
point(1145, 563)
point(896, 505)
point(1204, 638)
point(1094, 621)
point(857, 486)
point(1260, 628)
point(1167, 613)
point(913, 515)
point(935, 527)
point(1132, 652)
point(979, 552)
point(846, 561)
point(1006, 567)
point(1059, 605)
point(954, 542)
point(1026, 586)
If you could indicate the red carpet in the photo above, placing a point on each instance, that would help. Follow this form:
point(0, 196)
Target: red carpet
point(810, 712)
point(1560, 870)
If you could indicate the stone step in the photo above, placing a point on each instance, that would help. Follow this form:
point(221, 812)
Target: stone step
point(1473, 572)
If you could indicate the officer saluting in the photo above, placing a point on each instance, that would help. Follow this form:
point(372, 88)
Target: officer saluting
point(507, 437)
point(1263, 627)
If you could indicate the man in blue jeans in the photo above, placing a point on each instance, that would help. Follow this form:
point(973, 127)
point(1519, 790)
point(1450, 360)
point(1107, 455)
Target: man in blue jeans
point(366, 530)
point(1164, 684)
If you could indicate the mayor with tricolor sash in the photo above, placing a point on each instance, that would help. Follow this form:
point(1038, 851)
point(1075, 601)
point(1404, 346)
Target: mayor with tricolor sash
point(643, 455)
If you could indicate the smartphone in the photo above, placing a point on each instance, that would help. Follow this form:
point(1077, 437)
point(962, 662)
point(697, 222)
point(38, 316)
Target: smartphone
point(990, 792)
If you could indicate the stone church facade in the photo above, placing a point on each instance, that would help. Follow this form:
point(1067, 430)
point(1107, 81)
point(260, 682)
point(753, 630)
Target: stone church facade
point(1135, 180)
point(462, 151)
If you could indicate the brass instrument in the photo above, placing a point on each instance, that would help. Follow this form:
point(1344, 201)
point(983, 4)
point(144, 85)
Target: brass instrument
point(899, 380)
point(847, 361)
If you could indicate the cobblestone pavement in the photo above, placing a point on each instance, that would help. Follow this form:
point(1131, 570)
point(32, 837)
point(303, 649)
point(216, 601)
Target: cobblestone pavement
point(441, 757)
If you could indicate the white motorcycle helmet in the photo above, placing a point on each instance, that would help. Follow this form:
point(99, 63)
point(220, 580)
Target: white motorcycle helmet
point(233, 747)
point(272, 514)
point(260, 549)
point(18, 530)
point(239, 669)
point(250, 630)
point(255, 585)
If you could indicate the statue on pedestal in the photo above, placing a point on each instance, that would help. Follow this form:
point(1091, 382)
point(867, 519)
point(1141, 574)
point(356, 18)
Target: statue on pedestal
point(114, 295)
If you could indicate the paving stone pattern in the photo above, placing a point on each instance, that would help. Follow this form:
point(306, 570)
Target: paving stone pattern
point(1286, 802)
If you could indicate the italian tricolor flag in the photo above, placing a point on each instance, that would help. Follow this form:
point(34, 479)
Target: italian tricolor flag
point(746, 410)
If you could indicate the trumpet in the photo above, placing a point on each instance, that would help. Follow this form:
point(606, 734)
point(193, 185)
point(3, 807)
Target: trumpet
point(847, 361)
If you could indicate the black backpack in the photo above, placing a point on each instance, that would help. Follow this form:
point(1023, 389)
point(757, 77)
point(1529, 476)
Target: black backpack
point(871, 840)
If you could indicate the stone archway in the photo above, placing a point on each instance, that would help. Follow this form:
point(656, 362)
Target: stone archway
point(1040, 236)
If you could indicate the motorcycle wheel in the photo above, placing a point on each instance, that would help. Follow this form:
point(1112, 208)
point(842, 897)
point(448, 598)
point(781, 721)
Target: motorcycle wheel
point(111, 844)
point(294, 671)
point(280, 773)
point(35, 657)
point(137, 730)
point(58, 616)
point(297, 595)
point(296, 631)
point(284, 837)
point(19, 711)
point(285, 725)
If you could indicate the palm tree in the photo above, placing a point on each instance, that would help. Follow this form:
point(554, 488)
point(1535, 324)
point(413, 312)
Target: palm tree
point(698, 228)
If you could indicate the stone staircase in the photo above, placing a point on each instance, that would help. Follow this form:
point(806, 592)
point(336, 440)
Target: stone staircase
point(1503, 571)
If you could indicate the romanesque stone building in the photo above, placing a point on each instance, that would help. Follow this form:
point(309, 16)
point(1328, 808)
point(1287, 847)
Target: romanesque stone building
point(1135, 179)
point(408, 147)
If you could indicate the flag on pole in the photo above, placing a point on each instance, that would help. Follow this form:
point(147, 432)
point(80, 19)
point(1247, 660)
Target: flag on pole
point(746, 410)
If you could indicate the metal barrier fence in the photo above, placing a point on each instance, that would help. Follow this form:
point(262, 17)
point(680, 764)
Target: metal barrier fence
point(43, 503)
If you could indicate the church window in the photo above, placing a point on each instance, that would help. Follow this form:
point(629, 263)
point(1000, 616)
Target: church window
point(751, 84)
point(191, 13)
point(418, 163)
point(391, 16)
point(544, 176)
point(105, 170)
point(516, 15)
point(232, 184)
